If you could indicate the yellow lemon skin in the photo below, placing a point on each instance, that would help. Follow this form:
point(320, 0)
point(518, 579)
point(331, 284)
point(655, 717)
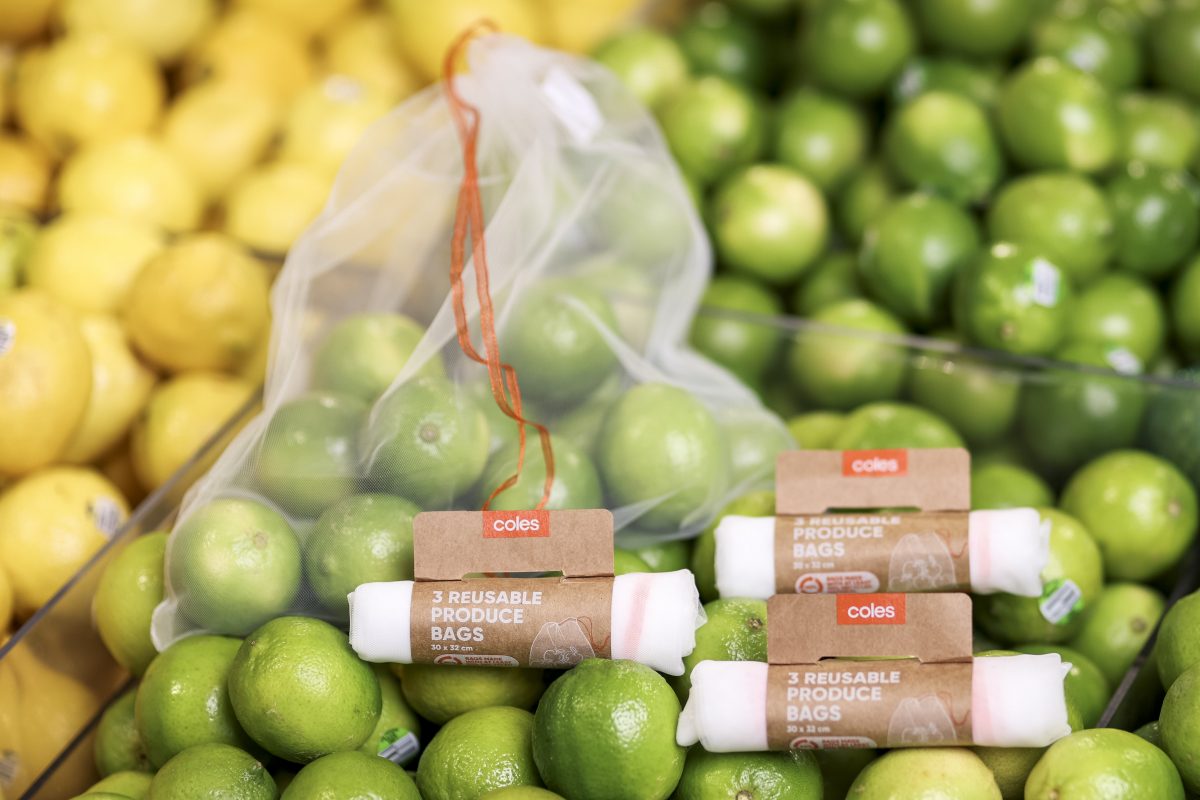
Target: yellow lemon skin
point(426, 30)
point(363, 46)
point(326, 121)
point(250, 47)
point(200, 304)
point(51, 522)
point(6, 613)
point(272, 205)
point(306, 17)
point(45, 380)
point(163, 28)
point(24, 173)
point(581, 27)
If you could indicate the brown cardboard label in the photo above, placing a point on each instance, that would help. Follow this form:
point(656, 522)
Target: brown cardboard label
point(838, 553)
point(810, 482)
point(844, 704)
point(511, 622)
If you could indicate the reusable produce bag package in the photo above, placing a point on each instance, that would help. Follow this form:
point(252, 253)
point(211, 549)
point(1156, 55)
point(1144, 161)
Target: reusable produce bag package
point(527, 213)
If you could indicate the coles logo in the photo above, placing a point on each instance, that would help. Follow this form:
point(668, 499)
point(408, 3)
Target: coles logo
point(874, 463)
point(870, 609)
point(516, 524)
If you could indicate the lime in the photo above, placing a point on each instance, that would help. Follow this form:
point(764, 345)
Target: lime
point(769, 222)
point(213, 770)
point(1157, 213)
point(441, 693)
point(1052, 116)
point(234, 564)
point(1001, 485)
point(363, 354)
point(1174, 49)
point(857, 47)
point(575, 485)
point(978, 399)
point(745, 347)
point(1060, 215)
point(886, 425)
point(555, 340)
point(716, 41)
point(942, 142)
point(925, 772)
point(1172, 421)
point(1179, 726)
point(307, 461)
point(649, 63)
point(1152, 733)
point(835, 366)
point(751, 504)
point(642, 238)
point(352, 774)
point(130, 587)
point(867, 191)
point(816, 430)
point(182, 700)
point(911, 253)
point(974, 29)
point(662, 447)
point(1086, 686)
point(765, 9)
point(793, 775)
point(1177, 648)
point(1157, 129)
point(397, 733)
point(755, 440)
point(1105, 762)
point(425, 441)
point(131, 785)
point(822, 136)
point(713, 127)
point(361, 539)
point(839, 768)
point(1015, 300)
point(607, 729)
point(927, 74)
point(1139, 508)
point(301, 692)
point(833, 278)
point(118, 745)
point(735, 630)
point(1072, 580)
point(1010, 767)
point(1091, 44)
point(521, 793)
point(1117, 625)
point(666, 556)
point(627, 561)
point(1124, 313)
point(1185, 308)
point(482, 750)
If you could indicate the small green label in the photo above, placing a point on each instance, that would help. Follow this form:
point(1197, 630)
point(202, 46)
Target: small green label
point(1061, 600)
point(399, 745)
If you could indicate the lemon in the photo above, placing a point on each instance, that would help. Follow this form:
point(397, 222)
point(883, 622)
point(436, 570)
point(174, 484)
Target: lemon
point(202, 303)
point(325, 121)
point(6, 601)
point(45, 380)
point(307, 17)
point(134, 177)
point(251, 48)
point(24, 19)
point(220, 129)
point(580, 27)
point(24, 173)
point(270, 207)
point(120, 386)
point(485, 749)
point(363, 46)
point(130, 588)
point(84, 88)
point(89, 260)
point(163, 28)
point(440, 693)
point(180, 416)
point(426, 30)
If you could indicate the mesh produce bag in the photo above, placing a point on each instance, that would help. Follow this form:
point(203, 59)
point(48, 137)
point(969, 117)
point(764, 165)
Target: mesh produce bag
point(385, 394)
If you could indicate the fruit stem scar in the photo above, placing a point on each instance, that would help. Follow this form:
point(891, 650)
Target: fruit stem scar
point(260, 540)
point(745, 794)
point(429, 432)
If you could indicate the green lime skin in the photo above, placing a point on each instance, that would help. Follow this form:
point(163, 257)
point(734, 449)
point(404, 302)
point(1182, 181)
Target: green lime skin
point(213, 770)
point(576, 483)
point(363, 354)
point(736, 630)
point(1157, 129)
point(769, 222)
point(234, 564)
point(476, 752)
point(713, 126)
point(649, 63)
point(1185, 308)
point(627, 562)
point(351, 774)
point(1173, 423)
point(127, 785)
point(118, 745)
point(717, 41)
point(923, 74)
point(300, 691)
point(396, 719)
point(754, 441)
point(867, 191)
point(911, 254)
point(642, 238)
point(833, 278)
point(1124, 312)
point(977, 399)
point(1087, 43)
point(1139, 508)
point(362, 539)
point(1179, 726)
point(793, 775)
point(877, 426)
point(1174, 39)
point(1015, 300)
point(920, 772)
point(666, 556)
point(1157, 213)
point(1000, 485)
point(972, 29)
point(942, 142)
point(1071, 417)
point(1086, 686)
point(816, 430)
point(661, 444)
point(1152, 733)
point(752, 504)
point(130, 588)
point(1117, 625)
point(1177, 648)
point(822, 136)
point(307, 459)
point(1061, 215)
point(744, 347)
point(426, 442)
point(1052, 116)
point(857, 47)
point(835, 367)
point(1105, 762)
point(182, 700)
point(522, 793)
point(606, 730)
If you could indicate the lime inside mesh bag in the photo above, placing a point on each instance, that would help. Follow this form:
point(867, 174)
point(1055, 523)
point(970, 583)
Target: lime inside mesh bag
point(595, 264)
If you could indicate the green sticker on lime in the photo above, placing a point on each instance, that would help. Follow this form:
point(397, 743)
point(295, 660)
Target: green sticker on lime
point(399, 745)
point(1061, 600)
